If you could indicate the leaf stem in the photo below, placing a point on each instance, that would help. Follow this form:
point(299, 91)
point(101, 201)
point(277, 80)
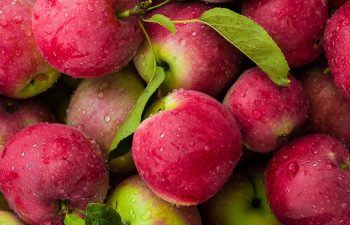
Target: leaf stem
point(186, 21)
point(159, 5)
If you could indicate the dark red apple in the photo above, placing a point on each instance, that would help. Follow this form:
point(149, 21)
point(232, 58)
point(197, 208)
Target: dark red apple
point(296, 25)
point(308, 182)
point(195, 58)
point(267, 114)
point(46, 165)
point(187, 151)
point(85, 38)
point(18, 114)
point(337, 47)
point(23, 71)
point(329, 109)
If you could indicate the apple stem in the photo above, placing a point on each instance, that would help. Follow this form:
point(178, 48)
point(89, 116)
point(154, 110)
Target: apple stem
point(139, 9)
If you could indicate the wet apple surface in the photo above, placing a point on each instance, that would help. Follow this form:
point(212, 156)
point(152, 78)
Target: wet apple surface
point(173, 112)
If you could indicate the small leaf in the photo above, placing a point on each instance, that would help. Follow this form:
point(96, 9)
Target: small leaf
point(101, 214)
point(135, 116)
point(72, 219)
point(163, 21)
point(251, 39)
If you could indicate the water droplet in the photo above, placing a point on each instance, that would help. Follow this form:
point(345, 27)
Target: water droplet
point(257, 114)
point(194, 33)
point(17, 19)
point(162, 135)
point(344, 205)
point(107, 118)
point(100, 95)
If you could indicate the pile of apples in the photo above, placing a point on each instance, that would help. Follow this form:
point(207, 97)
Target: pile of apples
point(219, 144)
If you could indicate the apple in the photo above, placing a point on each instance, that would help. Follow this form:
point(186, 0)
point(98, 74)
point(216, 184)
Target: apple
point(46, 165)
point(18, 114)
point(329, 109)
point(267, 114)
point(137, 204)
point(195, 58)
point(242, 201)
point(187, 151)
point(308, 182)
point(337, 47)
point(85, 38)
point(23, 71)
point(7, 218)
point(295, 25)
point(100, 106)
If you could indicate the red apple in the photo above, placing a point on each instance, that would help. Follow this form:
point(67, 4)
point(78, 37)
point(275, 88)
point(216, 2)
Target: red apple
point(23, 71)
point(45, 165)
point(329, 109)
point(266, 113)
point(337, 47)
point(85, 38)
point(195, 58)
point(187, 151)
point(296, 26)
point(308, 182)
point(16, 115)
point(100, 106)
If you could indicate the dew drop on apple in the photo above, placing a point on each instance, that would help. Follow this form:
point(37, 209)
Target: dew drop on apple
point(293, 169)
point(100, 95)
point(162, 135)
point(107, 118)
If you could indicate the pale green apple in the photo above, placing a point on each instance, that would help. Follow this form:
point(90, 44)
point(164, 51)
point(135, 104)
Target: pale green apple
point(7, 218)
point(242, 201)
point(138, 205)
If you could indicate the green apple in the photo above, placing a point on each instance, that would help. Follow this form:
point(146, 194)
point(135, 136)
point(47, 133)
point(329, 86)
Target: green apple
point(242, 201)
point(7, 218)
point(138, 205)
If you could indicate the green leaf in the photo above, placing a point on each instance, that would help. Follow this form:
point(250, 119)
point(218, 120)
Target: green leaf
point(72, 219)
point(163, 21)
point(251, 39)
point(101, 214)
point(135, 116)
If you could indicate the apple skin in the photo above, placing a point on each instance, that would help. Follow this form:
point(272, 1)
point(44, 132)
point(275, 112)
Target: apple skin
point(45, 164)
point(296, 26)
point(266, 113)
point(100, 106)
point(195, 58)
point(85, 38)
point(308, 182)
point(329, 109)
point(23, 73)
point(18, 114)
point(7, 218)
point(337, 47)
point(137, 204)
point(169, 148)
point(242, 201)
